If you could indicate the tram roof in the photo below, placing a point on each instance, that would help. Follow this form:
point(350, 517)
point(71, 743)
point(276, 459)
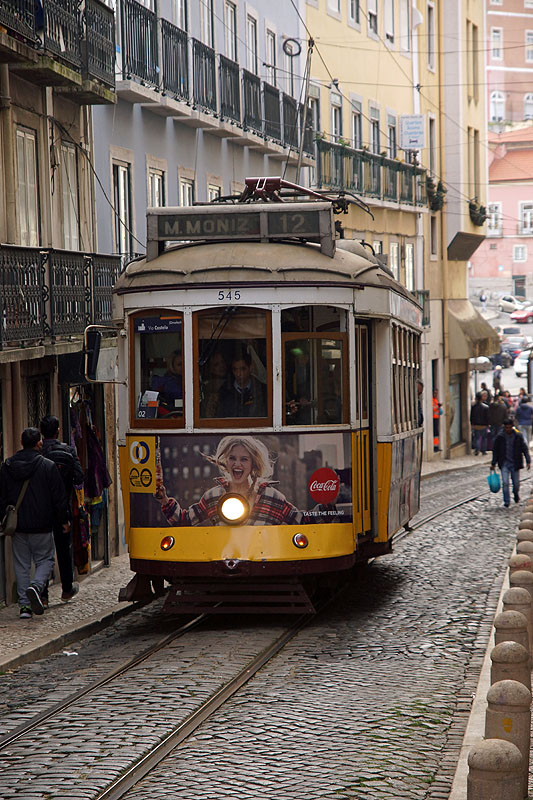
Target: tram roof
point(256, 262)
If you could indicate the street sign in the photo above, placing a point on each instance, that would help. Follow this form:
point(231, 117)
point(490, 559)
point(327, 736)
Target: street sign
point(412, 131)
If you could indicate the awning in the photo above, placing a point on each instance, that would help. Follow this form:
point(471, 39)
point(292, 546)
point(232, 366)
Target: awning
point(469, 334)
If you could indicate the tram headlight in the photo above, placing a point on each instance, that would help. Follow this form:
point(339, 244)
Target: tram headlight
point(167, 542)
point(233, 509)
point(300, 540)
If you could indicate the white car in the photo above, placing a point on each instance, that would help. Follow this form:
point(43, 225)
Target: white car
point(480, 364)
point(510, 303)
point(520, 364)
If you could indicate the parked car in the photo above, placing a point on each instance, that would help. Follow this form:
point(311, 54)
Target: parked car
point(523, 315)
point(480, 364)
point(502, 358)
point(510, 303)
point(514, 345)
point(507, 330)
point(520, 364)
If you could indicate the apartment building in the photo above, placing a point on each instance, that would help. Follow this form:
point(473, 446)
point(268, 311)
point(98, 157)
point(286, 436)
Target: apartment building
point(56, 64)
point(209, 92)
point(509, 65)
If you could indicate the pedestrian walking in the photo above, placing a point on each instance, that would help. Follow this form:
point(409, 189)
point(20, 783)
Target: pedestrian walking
point(479, 420)
point(66, 459)
point(497, 379)
point(483, 300)
point(496, 415)
point(44, 504)
point(485, 388)
point(437, 412)
point(524, 418)
point(508, 453)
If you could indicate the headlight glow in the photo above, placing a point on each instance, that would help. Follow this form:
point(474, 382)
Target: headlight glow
point(233, 508)
point(167, 542)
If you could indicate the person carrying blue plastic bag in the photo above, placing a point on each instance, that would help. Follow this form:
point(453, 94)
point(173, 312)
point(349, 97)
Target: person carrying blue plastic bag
point(494, 481)
point(508, 453)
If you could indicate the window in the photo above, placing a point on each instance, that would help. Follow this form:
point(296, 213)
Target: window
point(27, 188)
point(392, 147)
point(526, 217)
point(213, 192)
point(156, 188)
point(431, 35)
point(123, 210)
point(528, 3)
point(432, 145)
point(70, 197)
point(389, 20)
point(374, 130)
point(494, 219)
point(357, 126)
point(158, 367)
point(497, 106)
point(529, 45)
point(372, 11)
point(377, 244)
point(496, 43)
point(410, 267)
point(230, 22)
point(528, 106)
point(394, 259)
point(313, 115)
point(180, 14)
point(208, 24)
point(234, 366)
point(336, 116)
point(405, 26)
point(519, 252)
point(473, 56)
point(288, 49)
point(251, 42)
point(271, 58)
point(334, 5)
point(186, 192)
point(433, 237)
point(315, 363)
point(405, 371)
point(354, 12)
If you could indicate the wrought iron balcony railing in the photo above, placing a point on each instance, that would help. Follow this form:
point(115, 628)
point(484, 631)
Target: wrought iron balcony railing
point(99, 45)
point(251, 92)
point(175, 60)
point(139, 42)
point(204, 82)
point(230, 90)
point(369, 174)
point(272, 112)
point(18, 16)
point(290, 121)
point(47, 293)
point(61, 29)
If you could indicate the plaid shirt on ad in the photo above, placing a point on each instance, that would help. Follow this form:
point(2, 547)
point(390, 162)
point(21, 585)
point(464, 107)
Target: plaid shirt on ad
point(270, 508)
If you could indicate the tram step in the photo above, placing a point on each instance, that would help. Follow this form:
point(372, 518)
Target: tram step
point(243, 597)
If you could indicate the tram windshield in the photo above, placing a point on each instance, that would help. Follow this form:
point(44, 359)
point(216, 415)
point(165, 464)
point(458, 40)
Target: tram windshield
point(158, 355)
point(234, 364)
point(314, 365)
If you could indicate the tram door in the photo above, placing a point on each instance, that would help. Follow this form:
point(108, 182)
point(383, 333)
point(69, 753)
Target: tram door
point(361, 437)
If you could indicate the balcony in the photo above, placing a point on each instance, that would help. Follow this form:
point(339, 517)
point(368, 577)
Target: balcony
point(172, 74)
point(422, 295)
point(371, 175)
point(49, 294)
point(62, 46)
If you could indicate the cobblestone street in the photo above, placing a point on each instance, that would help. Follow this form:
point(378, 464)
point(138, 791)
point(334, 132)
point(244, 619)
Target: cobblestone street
point(369, 702)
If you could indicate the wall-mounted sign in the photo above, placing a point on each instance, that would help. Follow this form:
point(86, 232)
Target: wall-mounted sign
point(412, 131)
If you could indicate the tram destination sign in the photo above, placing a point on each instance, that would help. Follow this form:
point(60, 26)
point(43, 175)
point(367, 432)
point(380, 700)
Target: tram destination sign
point(266, 222)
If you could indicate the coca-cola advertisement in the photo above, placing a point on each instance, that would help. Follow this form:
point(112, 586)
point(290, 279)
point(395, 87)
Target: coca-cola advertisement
point(285, 479)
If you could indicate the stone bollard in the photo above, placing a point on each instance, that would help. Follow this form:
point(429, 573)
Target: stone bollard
point(510, 662)
point(519, 599)
point(527, 519)
point(511, 626)
point(525, 547)
point(494, 771)
point(524, 535)
point(520, 561)
point(523, 579)
point(525, 525)
point(509, 717)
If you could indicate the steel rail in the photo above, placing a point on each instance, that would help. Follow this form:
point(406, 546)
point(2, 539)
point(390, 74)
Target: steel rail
point(139, 770)
point(38, 719)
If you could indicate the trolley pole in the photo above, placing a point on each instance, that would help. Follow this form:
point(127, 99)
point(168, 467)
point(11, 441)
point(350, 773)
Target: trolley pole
point(310, 45)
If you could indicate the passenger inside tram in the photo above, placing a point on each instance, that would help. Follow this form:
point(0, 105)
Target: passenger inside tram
point(215, 376)
point(170, 386)
point(243, 395)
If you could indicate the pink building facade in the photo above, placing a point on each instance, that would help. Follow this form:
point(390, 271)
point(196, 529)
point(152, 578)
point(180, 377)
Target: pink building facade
point(504, 261)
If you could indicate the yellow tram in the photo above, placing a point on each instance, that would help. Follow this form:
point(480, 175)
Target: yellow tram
point(268, 433)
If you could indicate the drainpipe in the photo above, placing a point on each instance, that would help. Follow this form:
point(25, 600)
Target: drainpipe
point(8, 137)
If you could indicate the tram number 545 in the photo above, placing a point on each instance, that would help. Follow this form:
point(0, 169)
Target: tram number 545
point(232, 294)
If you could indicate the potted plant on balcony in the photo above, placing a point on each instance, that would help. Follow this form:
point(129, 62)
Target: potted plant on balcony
point(478, 213)
point(435, 194)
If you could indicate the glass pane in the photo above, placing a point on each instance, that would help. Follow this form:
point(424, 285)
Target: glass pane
point(314, 381)
point(232, 363)
point(159, 366)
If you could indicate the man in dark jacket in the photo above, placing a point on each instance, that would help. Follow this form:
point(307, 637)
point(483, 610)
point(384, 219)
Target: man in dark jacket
point(44, 505)
point(67, 461)
point(496, 415)
point(479, 420)
point(508, 453)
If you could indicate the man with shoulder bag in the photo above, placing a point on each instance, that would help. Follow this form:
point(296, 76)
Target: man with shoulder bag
point(41, 505)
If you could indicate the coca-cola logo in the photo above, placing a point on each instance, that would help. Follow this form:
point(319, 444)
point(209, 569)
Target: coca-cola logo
point(324, 485)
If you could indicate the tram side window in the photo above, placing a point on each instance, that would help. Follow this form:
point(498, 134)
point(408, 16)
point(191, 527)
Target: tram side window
point(315, 345)
point(234, 364)
point(405, 371)
point(158, 366)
